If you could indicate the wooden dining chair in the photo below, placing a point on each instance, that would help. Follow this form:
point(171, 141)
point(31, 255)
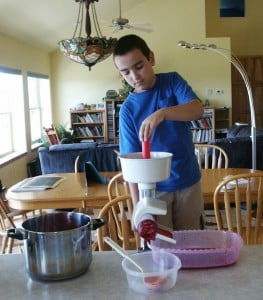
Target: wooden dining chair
point(76, 165)
point(8, 220)
point(52, 135)
point(85, 210)
point(117, 153)
point(238, 206)
point(117, 186)
point(117, 215)
point(211, 156)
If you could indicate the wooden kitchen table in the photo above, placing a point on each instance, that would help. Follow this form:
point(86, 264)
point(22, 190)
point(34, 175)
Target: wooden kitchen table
point(70, 193)
point(211, 178)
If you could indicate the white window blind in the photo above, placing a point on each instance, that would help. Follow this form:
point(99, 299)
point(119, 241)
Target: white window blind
point(39, 105)
point(12, 118)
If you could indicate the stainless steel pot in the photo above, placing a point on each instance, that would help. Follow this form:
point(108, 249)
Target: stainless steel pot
point(57, 245)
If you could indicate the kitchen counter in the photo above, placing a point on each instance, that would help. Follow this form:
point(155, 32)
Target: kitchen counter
point(106, 280)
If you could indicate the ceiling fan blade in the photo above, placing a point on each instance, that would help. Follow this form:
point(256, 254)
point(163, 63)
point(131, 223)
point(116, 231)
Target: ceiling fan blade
point(148, 25)
point(121, 23)
point(139, 27)
point(116, 29)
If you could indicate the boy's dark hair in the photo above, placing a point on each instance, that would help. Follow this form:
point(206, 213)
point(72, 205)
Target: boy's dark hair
point(129, 42)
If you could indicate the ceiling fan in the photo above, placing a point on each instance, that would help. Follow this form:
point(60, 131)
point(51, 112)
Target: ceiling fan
point(121, 23)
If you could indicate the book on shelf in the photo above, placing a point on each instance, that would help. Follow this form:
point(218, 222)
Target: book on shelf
point(202, 135)
point(97, 117)
point(204, 123)
point(81, 119)
point(39, 183)
point(89, 118)
point(81, 131)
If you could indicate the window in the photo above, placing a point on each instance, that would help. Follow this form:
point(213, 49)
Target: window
point(39, 105)
point(12, 118)
point(21, 117)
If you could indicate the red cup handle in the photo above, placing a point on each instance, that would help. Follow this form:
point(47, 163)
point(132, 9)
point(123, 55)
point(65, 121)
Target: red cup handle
point(146, 149)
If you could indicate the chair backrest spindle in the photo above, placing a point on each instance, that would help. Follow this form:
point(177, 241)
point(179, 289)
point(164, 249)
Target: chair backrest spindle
point(238, 206)
point(211, 156)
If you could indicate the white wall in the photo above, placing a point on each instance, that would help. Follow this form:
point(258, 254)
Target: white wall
point(172, 20)
point(245, 32)
point(17, 55)
point(72, 83)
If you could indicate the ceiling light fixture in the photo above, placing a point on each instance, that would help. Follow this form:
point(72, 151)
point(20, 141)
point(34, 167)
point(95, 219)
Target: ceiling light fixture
point(237, 64)
point(87, 50)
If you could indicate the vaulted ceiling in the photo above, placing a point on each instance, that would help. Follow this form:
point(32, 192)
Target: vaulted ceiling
point(42, 23)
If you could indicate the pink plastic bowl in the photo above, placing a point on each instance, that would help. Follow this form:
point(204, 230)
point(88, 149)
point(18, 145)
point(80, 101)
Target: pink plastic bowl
point(203, 248)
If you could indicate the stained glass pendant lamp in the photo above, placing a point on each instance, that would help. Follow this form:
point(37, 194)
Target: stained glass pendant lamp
point(87, 50)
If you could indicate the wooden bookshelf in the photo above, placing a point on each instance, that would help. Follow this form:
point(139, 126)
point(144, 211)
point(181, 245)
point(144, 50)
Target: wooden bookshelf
point(212, 125)
point(112, 113)
point(88, 125)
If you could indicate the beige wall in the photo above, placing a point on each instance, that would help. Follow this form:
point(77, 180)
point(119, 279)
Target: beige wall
point(15, 54)
point(20, 56)
point(72, 83)
point(245, 32)
point(172, 20)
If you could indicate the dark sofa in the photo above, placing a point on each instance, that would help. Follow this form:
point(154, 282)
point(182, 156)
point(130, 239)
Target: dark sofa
point(61, 158)
point(238, 147)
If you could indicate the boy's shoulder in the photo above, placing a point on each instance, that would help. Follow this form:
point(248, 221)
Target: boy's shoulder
point(173, 74)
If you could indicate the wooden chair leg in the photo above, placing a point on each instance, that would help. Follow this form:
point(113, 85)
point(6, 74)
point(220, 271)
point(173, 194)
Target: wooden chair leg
point(10, 245)
point(4, 244)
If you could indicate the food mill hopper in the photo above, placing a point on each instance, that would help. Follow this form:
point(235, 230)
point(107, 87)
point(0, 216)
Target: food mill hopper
point(138, 170)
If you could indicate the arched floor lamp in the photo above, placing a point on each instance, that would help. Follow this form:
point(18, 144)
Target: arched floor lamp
point(237, 64)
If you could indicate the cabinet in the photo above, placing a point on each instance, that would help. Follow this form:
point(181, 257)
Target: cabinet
point(253, 64)
point(112, 112)
point(88, 125)
point(221, 122)
point(212, 125)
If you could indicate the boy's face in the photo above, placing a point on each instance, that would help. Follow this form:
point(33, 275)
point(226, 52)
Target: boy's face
point(136, 69)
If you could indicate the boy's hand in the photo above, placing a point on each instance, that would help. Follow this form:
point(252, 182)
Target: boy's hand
point(149, 124)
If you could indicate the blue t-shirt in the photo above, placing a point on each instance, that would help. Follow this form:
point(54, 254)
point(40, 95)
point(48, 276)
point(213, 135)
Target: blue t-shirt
point(170, 136)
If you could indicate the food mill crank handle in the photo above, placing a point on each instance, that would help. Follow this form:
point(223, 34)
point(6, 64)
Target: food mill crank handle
point(146, 153)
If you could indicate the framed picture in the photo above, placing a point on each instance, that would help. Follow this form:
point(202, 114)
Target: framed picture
point(232, 8)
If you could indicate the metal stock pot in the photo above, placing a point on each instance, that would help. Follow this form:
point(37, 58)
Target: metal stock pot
point(57, 245)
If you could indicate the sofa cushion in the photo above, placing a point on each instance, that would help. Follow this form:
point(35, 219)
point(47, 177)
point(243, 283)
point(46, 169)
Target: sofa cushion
point(242, 131)
point(239, 151)
point(73, 146)
point(103, 158)
point(61, 158)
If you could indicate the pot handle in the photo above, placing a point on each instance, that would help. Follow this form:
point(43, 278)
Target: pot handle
point(16, 233)
point(96, 223)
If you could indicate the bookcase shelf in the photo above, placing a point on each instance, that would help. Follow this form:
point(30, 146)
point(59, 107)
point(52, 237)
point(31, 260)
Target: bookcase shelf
point(88, 125)
point(212, 125)
point(112, 112)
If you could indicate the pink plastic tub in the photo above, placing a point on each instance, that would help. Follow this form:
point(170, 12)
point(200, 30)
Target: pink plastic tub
point(203, 248)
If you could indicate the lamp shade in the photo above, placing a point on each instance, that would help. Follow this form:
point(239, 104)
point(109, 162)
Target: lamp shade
point(87, 51)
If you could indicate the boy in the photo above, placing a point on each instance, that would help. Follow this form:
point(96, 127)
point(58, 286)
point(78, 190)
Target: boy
point(159, 109)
